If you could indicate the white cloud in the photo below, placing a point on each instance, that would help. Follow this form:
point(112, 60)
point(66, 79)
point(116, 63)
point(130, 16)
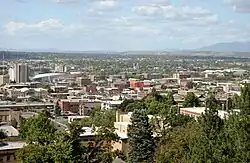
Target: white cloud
point(148, 10)
point(134, 26)
point(123, 21)
point(63, 1)
point(98, 7)
point(159, 2)
point(50, 25)
point(152, 22)
point(239, 5)
point(107, 4)
point(186, 13)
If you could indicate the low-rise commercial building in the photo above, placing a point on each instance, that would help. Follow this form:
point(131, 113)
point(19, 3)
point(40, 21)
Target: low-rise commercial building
point(81, 106)
point(8, 151)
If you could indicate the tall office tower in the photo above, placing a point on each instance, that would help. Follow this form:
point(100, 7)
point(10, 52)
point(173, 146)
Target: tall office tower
point(4, 78)
point(21, 73)
point(12, 74)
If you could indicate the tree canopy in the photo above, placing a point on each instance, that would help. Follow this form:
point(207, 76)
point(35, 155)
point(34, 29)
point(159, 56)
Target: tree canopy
point(140, 139)
point(191, 100)
point(46, 144)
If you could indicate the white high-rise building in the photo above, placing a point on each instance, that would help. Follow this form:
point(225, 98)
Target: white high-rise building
point(21, 73)
point(61, 68)
point(12, 74)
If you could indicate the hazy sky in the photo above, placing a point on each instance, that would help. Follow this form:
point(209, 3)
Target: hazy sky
point(122, 24)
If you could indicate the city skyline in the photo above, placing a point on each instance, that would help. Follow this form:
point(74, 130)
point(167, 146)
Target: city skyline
point(118, 25)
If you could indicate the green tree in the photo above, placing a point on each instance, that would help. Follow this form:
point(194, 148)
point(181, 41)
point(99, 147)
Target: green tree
point(57, 110)
point(174, 147)
point(75, 129)
point(61, 149)
point(191, 100)
point(229, 104)
point(140, 140)
point(44, 143)
point(212, 127)
point(245, 99)
point(100, 149)
point(169, 99)
point(211, 139)
point(34, 154)
point(38, 129)
point(125, 103)
point(236, 144)
point(154, 107)
point(155, 95)
point(135, 105)
point(236, 102)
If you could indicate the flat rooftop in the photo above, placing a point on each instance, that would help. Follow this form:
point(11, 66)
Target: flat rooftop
point(198, 110)
point(12, 145)
point(26, 105)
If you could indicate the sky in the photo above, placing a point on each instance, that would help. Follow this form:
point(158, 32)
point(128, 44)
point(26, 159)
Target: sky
point(122, 25)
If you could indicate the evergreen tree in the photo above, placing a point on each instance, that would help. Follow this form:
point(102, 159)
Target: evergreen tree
point(242, 102)
point(135, 105)
point(236, 102)
point(211, 123)
point(229, 104)
point(125, 103)
point(141, 143)
point(236, 138)
point(245, 99)
point(212, 127)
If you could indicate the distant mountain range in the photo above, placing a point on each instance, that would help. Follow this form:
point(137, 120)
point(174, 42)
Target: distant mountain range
point(241, 47)
point(228, 47)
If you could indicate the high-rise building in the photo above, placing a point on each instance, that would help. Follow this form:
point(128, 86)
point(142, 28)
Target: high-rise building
point(12, 74)
point(61, 68)
point(21, 72)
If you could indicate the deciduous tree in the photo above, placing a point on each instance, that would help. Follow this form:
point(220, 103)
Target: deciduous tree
point(191, 100)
